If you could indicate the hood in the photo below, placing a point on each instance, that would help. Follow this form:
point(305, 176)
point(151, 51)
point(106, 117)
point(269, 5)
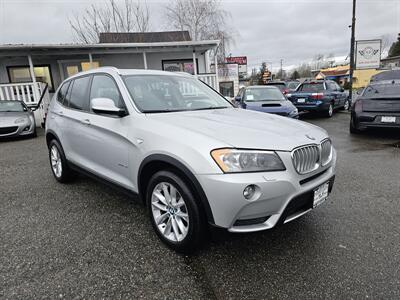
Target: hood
point(277, 106)
point(8, 118)
point(242, 128)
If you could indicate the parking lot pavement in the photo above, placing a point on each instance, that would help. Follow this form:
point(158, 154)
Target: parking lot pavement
point(84, 240)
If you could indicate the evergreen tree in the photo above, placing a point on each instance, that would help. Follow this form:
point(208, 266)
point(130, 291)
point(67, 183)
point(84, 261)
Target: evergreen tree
point(395, 48)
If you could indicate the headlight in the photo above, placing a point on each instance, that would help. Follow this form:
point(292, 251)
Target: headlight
point(294, 111)
point(20, 120)
point(237, 161)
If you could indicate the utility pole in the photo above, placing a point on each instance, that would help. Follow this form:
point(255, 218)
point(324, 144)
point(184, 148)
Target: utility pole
point(281, 68)
point(352, 42)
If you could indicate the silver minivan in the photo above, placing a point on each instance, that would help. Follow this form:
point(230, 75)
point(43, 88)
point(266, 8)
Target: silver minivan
point(192, 157)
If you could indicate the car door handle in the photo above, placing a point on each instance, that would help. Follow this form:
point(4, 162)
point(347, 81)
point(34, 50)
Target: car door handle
point(85, 121)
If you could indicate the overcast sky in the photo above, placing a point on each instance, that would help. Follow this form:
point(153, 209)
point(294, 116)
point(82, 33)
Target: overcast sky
point(267, 30)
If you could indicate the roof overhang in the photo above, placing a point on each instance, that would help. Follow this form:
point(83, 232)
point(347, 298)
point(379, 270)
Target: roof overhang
point(75, 49)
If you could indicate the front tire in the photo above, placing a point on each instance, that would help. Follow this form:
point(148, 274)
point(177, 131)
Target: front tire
point(346, 105)
point(58, 163)
point(175, 215)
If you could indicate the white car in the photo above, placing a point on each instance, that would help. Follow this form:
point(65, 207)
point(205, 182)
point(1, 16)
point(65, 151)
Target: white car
point(193, 158)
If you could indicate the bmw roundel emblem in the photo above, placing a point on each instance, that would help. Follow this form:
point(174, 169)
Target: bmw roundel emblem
point(310, 137)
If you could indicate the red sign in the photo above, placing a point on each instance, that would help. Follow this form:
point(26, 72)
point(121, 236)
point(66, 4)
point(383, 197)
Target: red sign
point(240, 60)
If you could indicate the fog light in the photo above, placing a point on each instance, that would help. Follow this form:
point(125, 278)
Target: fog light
point(249, 191)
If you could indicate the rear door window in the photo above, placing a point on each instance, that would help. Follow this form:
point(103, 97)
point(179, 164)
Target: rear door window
point(78, 95)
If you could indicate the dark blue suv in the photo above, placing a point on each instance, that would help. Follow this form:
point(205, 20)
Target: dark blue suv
point(323, 96)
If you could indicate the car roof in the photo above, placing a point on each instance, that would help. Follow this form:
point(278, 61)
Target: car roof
point(386, 75)
point(277, 81)
point(260, 86)
point(381, 82)
point(125, 72)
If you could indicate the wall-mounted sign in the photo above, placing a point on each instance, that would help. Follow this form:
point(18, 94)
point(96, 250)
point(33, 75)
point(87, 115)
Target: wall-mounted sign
point(368, 54)
point(241, 61)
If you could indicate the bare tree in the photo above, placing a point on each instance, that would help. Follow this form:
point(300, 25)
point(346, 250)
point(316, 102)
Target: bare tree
point(204, 19)
point(387, 41)
point(129, 16)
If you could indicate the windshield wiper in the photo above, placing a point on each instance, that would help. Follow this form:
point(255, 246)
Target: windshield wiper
point(167, 110)
point(178, 110)
point(210, 107)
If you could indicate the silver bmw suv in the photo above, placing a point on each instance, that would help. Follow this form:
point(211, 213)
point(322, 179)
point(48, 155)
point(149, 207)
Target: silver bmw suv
point(193, 158)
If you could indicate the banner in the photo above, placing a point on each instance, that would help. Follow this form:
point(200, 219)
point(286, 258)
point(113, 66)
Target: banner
point(368, 54)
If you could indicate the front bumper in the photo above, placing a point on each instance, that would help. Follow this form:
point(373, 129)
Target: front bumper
point(280, 197)
point(15, 130)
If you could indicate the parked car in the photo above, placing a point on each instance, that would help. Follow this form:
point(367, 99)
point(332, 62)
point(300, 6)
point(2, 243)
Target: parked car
point(193, 158)
point(279, 84)
point(16, 119)
point(322, 96)
point(386, 75)
point(266, 99)
point(377, 107)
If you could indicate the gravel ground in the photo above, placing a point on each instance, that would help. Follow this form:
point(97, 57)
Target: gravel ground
point(85, 240)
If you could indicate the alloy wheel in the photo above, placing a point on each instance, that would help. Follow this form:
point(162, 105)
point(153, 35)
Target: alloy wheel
point(346, 105)
point(330, 110)
point(56, 163)
point(169, 211)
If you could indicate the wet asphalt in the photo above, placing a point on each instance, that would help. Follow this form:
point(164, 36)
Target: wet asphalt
point(85, 240)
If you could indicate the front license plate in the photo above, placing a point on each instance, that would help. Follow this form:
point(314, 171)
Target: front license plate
point(320, 194)
point(388, 119)
point(301, 100)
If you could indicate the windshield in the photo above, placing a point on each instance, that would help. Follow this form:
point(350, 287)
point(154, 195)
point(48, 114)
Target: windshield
point(161, 93)
point(263, 94)
point(292, 85)
point(389, 90)
point(12, 106)
point(312, 87)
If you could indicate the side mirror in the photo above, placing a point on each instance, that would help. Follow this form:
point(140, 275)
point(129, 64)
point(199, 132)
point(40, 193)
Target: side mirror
point(106, 106)
point(238, 99)
point(358, 92)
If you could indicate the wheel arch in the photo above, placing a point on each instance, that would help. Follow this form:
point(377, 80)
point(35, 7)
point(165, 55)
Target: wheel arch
point(157, 162)
point(51, 135)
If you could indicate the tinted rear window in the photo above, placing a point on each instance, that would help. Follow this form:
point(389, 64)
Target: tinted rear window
point(389, 90)
point(312, 87)
point(78, 97)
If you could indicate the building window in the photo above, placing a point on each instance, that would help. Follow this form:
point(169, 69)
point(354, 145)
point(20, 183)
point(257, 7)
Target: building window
point(183, 65)
point(21, 74)
point(226, 88)
point(77, 67)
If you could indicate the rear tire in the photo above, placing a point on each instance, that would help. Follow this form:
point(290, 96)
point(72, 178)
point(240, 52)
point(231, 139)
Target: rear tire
point(329, 112)
point(354, 129)
point(175, 215)
point(58, 163)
